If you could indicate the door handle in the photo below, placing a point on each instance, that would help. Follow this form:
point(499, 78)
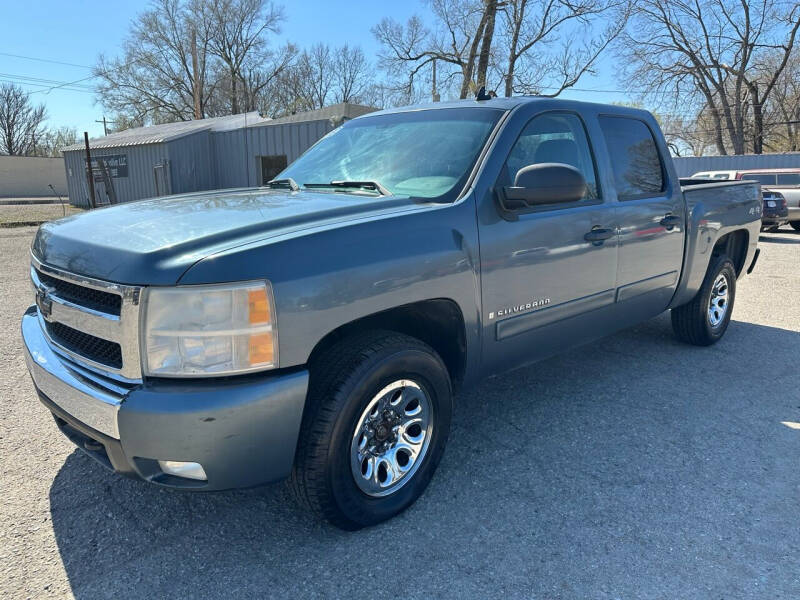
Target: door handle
point(669, 222)
point(598, 235)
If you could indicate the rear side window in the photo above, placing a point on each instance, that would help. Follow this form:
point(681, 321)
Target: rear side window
point(788, 178)
point(762, 178)
point(634, 157)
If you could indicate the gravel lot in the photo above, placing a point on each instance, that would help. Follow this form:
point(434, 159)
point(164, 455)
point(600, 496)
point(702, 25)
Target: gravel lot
point(636, 467)
point(28, 213)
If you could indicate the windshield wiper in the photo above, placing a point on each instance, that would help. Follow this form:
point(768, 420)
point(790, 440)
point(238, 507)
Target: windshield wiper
point(373, 186)
point(284, 183)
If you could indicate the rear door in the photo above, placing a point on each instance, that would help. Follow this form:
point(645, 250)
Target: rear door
point(650, 214)
point(539, 275)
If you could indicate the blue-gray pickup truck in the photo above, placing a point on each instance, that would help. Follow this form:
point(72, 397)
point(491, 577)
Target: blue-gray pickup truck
point(317, 328)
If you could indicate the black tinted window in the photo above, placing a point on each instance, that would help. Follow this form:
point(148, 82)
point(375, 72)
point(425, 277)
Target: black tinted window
point(788, 178)
point(554, 138)
point(634, 157)
point(762, 178)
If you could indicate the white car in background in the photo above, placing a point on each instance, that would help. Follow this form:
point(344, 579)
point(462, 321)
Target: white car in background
point(719, 175)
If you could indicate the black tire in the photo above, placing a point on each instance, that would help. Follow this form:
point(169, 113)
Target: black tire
point(343, 382)
point(795, 225)
point(691, 322)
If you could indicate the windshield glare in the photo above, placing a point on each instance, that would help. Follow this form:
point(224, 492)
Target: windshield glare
point(422, 154)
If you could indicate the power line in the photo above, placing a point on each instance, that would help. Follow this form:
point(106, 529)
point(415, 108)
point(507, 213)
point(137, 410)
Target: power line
point(41, 80)
point(27, 83)
point(45, 60)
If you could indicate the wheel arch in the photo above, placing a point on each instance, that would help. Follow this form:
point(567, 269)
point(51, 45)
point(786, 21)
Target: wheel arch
point(437, 322)
point(734, 244)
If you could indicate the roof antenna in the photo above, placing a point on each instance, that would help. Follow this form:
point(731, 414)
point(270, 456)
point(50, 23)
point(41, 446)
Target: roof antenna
point(482, 95)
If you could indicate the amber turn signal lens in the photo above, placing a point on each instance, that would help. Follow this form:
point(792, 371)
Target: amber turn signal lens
point(261, 349)
point(259, 306)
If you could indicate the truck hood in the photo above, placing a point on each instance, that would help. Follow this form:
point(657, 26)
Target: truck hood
point(153, 242)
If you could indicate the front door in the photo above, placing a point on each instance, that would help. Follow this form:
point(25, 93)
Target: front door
point(651, 218)
point(540, 277)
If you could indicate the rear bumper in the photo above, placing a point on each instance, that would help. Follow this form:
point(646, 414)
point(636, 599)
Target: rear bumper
point(242, 430)
point(794, 213)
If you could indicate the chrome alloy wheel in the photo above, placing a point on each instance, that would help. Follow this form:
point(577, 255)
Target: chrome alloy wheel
point(718, 303)
point(391, 438)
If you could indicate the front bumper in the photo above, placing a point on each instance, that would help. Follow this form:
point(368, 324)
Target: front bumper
point(242, 430)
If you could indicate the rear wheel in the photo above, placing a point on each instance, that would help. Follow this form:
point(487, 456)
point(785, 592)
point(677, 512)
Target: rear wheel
point(704, 320)
point(375, 427)
point(795, 225)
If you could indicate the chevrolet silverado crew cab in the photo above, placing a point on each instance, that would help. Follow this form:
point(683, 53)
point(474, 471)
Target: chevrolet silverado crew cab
point(316, 329)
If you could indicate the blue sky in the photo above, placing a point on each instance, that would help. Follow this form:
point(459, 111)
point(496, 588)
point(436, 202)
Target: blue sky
point(77, 31)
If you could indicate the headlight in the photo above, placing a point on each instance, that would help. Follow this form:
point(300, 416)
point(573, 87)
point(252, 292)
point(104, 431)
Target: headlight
point(209, 330)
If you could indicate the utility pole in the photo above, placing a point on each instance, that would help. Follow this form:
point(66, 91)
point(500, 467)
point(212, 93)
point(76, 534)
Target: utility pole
point(89, 171)
point(105, 125)
point(434, 93)
point(198, 113)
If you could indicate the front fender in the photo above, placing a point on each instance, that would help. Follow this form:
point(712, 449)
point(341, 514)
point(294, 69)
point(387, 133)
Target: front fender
point(328, 277)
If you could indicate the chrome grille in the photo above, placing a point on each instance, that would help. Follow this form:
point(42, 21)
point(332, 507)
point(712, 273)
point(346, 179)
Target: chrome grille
point(93, 348)
point(92, 322)
point(84, 296)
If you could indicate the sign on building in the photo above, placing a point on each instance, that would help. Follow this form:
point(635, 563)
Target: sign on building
point(117, 164)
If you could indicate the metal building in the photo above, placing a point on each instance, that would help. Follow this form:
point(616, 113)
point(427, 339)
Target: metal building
point(222, 152)
point(688, 165)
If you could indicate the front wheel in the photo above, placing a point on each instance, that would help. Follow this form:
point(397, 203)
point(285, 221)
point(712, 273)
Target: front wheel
point(374, 430)
point(795, 225)
point(704, 320)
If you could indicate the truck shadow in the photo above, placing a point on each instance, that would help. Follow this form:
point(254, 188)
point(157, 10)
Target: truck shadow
point(634, 455)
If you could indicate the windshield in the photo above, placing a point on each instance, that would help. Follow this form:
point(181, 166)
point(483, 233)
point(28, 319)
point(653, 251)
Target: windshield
point(421, 154)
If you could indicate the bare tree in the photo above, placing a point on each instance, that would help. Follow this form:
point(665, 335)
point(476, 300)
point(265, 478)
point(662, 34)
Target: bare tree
point(488, 18)
point(315, 72)
point(687, 136)
point(238, 30)
point(531, 48)
point(782, 111)
point(351, 72)
point(53, 140)
point(531, 29)
point(320, 76)
point(21, 122)
point(718, 55)
point(153, 79)
point(409, 50)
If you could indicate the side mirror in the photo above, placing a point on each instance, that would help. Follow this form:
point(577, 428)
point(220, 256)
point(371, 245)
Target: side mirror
point(543, 183)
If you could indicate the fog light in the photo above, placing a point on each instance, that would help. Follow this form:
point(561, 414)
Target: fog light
point(189, 470)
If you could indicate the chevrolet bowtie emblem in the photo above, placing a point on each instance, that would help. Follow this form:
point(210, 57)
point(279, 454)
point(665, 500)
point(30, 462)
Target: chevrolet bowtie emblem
point(44, 303)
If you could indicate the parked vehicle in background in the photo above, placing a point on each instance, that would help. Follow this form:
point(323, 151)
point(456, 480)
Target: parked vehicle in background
point(784, 181)
point(775, 211)
point(316, 328)
point(717, 175)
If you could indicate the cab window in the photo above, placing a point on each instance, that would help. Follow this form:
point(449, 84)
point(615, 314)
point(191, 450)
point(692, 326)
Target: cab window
point(762, 178)
point(788, 178)
point(634, 157)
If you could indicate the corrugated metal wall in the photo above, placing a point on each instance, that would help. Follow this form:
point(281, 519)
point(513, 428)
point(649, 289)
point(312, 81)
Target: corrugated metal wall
point(231, 148)
point(140, 182)
point(687, 166)
point(201, 161)
point(190, 163)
